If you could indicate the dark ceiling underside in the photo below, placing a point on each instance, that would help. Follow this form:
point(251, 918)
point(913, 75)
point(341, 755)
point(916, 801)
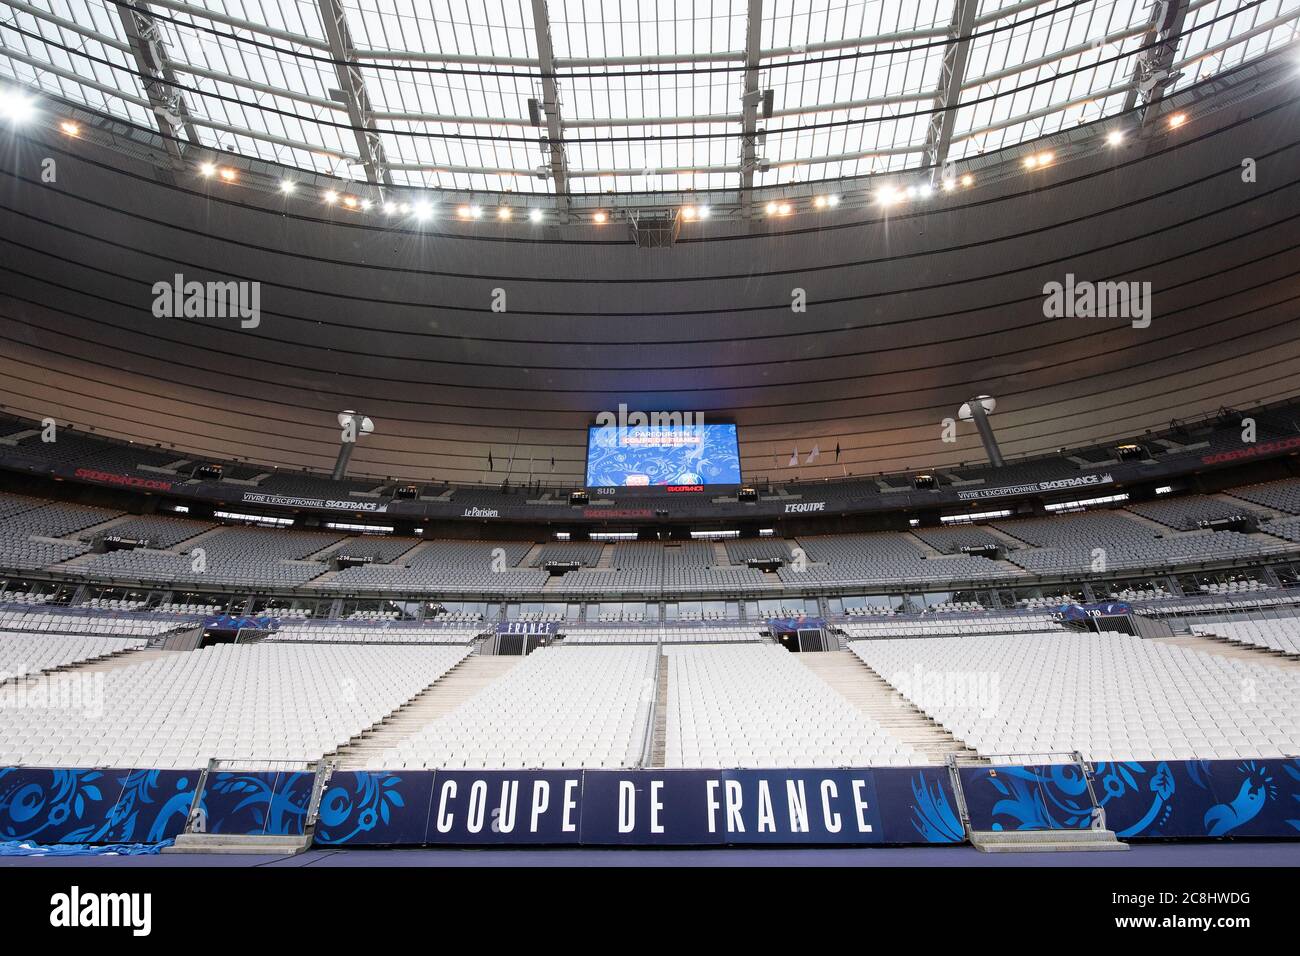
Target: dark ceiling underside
point(909, 313)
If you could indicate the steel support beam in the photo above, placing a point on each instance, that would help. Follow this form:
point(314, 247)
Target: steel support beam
point(553, 141)
point(1154, 69)
point(355, 98)
point(749, 104)
point(158, 80)
point(947, 97)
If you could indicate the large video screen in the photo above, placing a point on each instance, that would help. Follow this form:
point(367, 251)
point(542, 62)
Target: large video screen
point(654, 455)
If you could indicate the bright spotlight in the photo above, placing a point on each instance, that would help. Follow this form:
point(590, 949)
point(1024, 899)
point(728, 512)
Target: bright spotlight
point(702, 212)
point(350, 202)
point(770, 209)
point(535, 215)
point(1115, 137)
point(288, 186)
point(365, 204)
point(331, 197)
point(423, 211)
point(968, 180)
point(390, 208)
point(832, 200)
point(784, 209)
point(228, 174)
point(504, 212)
point(208, 169)
point(16, 107)
point(887, 195)
point(925, 190)
point(600, 216)
point(948, 185)
point(71, 128)
point(1177, 120)
point(820, 202)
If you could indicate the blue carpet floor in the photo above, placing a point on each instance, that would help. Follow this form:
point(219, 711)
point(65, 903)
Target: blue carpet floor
point(1141, 855)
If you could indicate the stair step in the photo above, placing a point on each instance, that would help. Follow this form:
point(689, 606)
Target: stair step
point(441, 697)
point(877, 699)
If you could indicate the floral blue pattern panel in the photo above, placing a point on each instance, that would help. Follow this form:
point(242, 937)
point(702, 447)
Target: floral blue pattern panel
point(926, 795)
point(93, 806)
point(368, 808)
point(257, 802)
point(1170, 799)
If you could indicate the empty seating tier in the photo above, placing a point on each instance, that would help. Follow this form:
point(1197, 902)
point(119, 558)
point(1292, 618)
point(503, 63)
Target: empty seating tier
point(254, 702)
point(759, 706)
point(1109, 696)
point(560, 707)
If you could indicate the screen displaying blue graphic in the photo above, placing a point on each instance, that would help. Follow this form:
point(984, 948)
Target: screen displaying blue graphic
point(662, 455)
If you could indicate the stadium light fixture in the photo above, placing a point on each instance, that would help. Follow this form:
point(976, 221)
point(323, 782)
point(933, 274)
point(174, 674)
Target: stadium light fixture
point(535, 215)
point(331, 197)
point(423, 211)
point(359, 425)
point(968, 180)
point(208, 169)
point(1115, 137)
point(350, 202)
point(601, 216)
point(390, 208)
point(504, 213)
point(70, 128)
point(1177, 120)
point(228, 175)
point(287, 186)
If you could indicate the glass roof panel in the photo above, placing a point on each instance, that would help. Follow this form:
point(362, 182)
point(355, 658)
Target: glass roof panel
point(650, 91)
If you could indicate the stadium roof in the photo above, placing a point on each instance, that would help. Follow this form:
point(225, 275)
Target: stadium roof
point(588, 98)
point(862, 324)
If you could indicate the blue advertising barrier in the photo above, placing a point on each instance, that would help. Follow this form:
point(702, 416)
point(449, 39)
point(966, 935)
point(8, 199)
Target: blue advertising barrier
point(904, 805)
point(94, 806)
point(1157, 799)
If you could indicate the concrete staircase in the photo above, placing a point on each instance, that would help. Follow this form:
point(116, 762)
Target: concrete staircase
point(720, 557)
point(197, 540)
point(659, 748)
point(123, 659)
point(868, 692)
point(441, 697)
point(929, 550)
point(109, 662)
point(529, 559)
point(1159, 527)
point(85, 534)
point(1245, 505)
point(1222, 647)
point(1011, 541)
